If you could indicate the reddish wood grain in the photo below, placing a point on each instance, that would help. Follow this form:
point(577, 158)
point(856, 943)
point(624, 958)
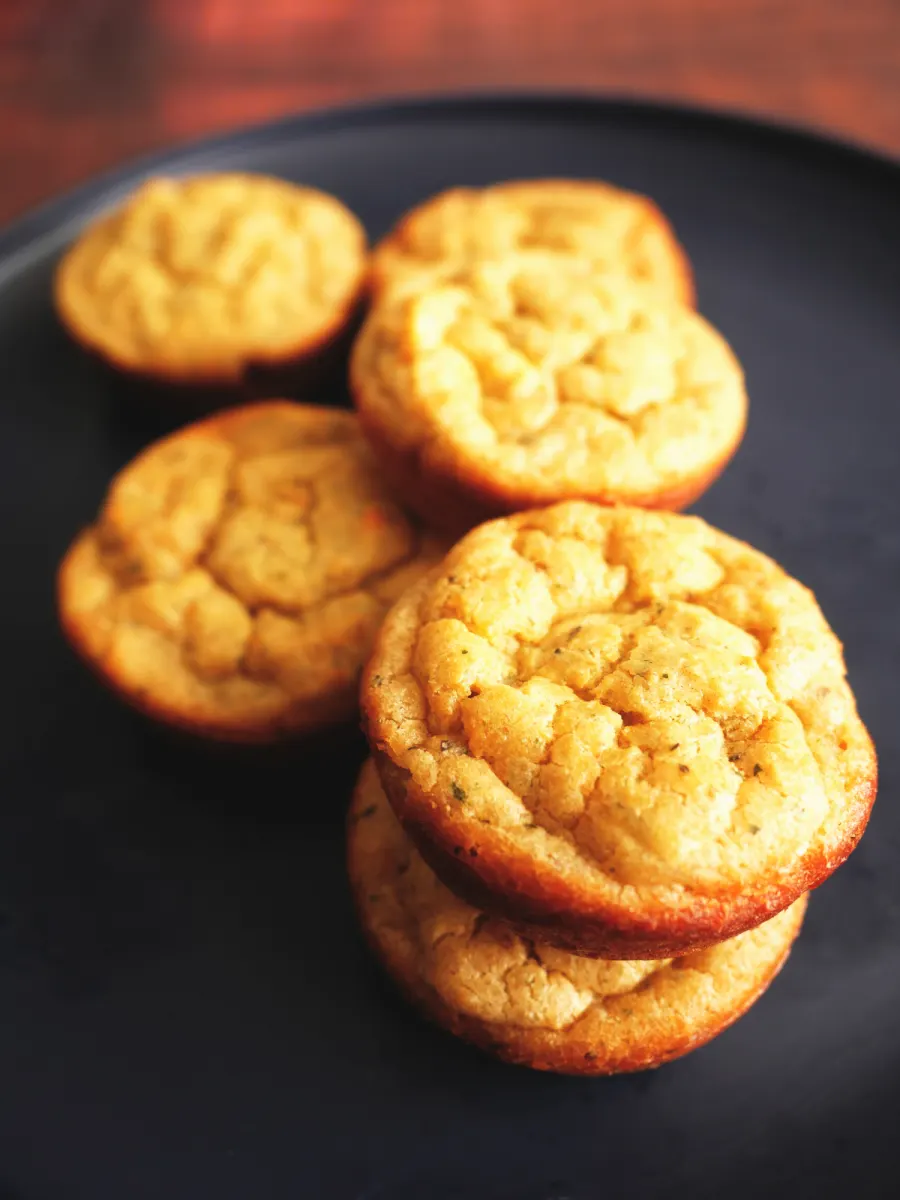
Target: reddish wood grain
point(86, 83)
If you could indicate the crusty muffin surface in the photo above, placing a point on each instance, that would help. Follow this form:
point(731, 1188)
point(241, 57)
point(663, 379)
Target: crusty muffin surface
point(624, 729)
point(612, 229)
point(534, 379)
point(198, 279)
point(525, 1000)
point(238, 571)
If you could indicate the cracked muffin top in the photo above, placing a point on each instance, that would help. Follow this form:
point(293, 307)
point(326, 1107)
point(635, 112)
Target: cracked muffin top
point(611, 229)
point(195, 279)
point(478, 976)
point(625, 729)
point(535, 379)
point(238, 571)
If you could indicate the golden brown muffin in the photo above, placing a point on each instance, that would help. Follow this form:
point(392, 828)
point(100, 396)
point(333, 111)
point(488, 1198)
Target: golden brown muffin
point(624, 730)
point(522, 999)
point(534, 380)
point(611, 229)
point(238, 571)
point(196, 281)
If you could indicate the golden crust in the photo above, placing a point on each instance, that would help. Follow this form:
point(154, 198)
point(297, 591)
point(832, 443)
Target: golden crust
point(200, 280)
point(525, 1001)
point(238, 572)
point(611, 229)
point(625, 731)
point(533, 379)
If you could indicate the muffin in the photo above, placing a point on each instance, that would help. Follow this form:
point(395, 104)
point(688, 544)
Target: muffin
point(624, 731)
point(533, 380)
point(201, 281)
point(611, 229)
point(522, 999)
point(238, 571)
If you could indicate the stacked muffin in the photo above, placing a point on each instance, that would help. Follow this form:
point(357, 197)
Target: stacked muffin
point(623, 744)
point(613, 748)
point(555, 358)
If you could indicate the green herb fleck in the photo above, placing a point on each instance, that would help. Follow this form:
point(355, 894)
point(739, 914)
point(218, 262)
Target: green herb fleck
point(675, 745)
point(683, 768)
point(757, 769)
point(558, 650)
point(665, 674)
point(458, 792)
point(129, 570)
point(367, 812)
point(734, 757)
point(754, 828)
point(464, 652)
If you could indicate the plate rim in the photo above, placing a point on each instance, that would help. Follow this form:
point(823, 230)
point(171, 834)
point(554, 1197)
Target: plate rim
point(21, 232)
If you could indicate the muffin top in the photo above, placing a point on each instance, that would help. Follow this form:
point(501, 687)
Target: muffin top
point(238, 571)
point(623, 724)
point(197, 278)
point(612, 229)
point(605, 1014)
point(535, 379)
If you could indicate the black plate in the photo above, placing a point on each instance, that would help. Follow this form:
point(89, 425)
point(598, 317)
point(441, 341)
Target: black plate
point(185, 1008)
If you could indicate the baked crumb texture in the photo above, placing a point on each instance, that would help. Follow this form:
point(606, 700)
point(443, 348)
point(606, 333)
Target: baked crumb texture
point(238, 571)
point(624, 730)
point(610, 229)
point(197, 280)
point(535, 379)
point(522, 999)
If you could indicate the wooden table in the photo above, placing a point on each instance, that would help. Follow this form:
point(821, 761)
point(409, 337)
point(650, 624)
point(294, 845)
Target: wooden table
point(87, 83)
